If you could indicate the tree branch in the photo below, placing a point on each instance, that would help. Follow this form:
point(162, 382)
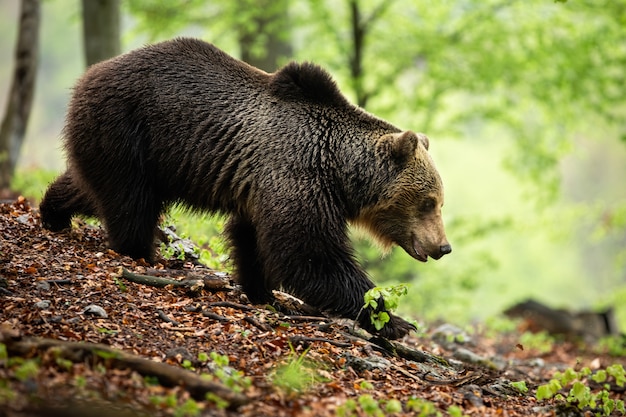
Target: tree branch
point(77, 352)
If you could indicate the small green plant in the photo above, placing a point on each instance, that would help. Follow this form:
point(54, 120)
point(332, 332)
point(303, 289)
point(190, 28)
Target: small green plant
point(104, 330)
point(520, 386)
point(63, 363)
point(219, 402)
point(297, 374)
point(4, 355)
point(366, 385)
point(613, 345)
point(391, 296)
point(187, 365)
point(205, 231)
point(189, 408)
point(120, 284)
point(367, 405)
point(541, 342)
point(169, 251)
point(422, 408)
point(104, 354)
point(235, 380)
point(151, 380)
point(347, 409)
point(455, 411)
point(6, 393)
point(27, 370)
point(580, 393)
point(370, 406)
point(164, 401)
point(393, 406)
point(80, 381)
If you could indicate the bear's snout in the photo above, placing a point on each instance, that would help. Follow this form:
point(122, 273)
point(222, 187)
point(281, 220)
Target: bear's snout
point(443, 250)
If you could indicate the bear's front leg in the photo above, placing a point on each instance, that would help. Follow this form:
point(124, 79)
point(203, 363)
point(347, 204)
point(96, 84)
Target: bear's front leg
point(309, 255)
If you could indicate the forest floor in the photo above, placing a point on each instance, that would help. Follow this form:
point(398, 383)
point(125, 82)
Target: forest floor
point(78, 337)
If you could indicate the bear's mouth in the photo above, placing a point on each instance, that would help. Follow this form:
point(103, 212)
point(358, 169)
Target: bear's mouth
point(418, 252)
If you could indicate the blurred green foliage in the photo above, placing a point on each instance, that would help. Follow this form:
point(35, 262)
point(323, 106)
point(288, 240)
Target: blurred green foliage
point(523, 102)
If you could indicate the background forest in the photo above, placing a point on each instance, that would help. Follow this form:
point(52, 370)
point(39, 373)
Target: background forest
point(524, 102)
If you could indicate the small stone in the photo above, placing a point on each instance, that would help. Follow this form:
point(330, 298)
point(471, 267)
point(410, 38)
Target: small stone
point(448, 333)
point(24, 219)
point(366, 364)
point(43, 304)
point(43, 285)
point(95, 310)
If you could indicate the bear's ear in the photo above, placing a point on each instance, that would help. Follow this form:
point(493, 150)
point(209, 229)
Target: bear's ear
point(423, 139)
point(400, 146)
point(305, 82)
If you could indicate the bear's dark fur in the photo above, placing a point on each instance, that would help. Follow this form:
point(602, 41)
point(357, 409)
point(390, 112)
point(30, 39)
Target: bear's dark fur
point(285, 155)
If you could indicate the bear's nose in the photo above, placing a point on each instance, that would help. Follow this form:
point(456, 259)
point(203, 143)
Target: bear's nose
point(445, 249)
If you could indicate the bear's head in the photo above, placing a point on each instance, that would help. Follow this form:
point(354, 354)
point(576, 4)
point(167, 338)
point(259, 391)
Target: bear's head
point(407, 211)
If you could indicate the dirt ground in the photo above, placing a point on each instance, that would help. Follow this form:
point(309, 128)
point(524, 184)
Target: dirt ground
point(143, 346)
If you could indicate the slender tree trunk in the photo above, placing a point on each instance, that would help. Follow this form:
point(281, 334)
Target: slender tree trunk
point(356, 59)
point(13, 128)
point(361, 25)
point(101, 29)
point(265, 40)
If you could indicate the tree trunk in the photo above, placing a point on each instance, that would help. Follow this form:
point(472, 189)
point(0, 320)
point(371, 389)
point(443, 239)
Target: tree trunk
point(101, 30)
point(265, 40)
point(13, 128)
point(361, 25)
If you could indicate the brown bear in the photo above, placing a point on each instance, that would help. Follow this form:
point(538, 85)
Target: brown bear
point(285, 155)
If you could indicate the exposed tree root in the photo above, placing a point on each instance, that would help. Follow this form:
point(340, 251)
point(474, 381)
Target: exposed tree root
point(77, 352)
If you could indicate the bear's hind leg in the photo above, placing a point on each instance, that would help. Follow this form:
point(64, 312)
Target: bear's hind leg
point(64, 199)
point(130, 222)
point(242, 237)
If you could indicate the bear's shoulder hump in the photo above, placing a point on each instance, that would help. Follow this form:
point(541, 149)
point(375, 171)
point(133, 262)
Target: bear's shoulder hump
point(305, 82)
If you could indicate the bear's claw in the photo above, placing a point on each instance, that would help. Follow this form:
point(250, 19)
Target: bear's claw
point(395, 328)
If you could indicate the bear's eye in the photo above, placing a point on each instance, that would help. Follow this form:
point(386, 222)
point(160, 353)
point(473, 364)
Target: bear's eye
point(427, 205)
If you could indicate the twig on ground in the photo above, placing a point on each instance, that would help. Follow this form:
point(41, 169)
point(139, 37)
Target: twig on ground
point(256, 323)
point(236, 306)
point(305, 318)
point(304, 339)
point(60, 281)
point(215, 316)
point(165, 318)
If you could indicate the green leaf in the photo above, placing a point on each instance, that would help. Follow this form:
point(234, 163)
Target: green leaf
point(548, 390)
point(617, 372)
point(599, 376)
point(520, 386)
point(393, 406)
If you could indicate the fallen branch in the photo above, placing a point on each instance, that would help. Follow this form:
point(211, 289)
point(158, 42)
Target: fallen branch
point(161, 314)
point(215, 316)
point(393, 348)
point(192, 281)
point(304, 339)
point(78, 352)
point(306, 318)
point(230, 304)
point(258, 324)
